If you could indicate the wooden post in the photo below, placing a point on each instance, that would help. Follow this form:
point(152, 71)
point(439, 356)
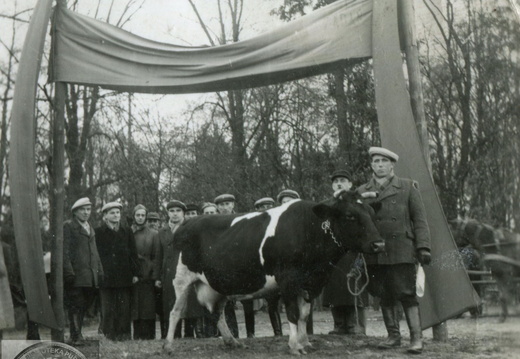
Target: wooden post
point(58, 198)
point(57, 202)
point(409, 42)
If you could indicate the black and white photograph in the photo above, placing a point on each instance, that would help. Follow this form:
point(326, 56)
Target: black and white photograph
point(260, 178)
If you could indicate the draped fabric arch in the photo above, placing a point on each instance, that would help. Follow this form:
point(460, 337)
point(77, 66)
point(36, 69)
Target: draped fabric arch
point(89, 52)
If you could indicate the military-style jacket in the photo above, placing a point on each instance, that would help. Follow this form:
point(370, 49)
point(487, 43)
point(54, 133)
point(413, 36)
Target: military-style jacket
point(401, 221)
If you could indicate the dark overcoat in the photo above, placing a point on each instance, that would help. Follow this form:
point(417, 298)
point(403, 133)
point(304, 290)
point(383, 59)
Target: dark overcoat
point(80, 255)
point(143, 292)
point(401, 221)
point(118, 256)
point(165, 266)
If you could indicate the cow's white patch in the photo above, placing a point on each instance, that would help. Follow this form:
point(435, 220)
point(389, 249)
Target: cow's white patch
point(275, 214)
point(245, 216)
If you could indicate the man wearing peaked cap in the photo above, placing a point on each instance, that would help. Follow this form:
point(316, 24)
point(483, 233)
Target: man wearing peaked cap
point(192, 210)
point(287, 195)
point(176, 204)
point(209, 208)
point(264, 203)
point(153, 220)
point(401, 221)
point(372, 151)
point(82, 267)
point(348, 320)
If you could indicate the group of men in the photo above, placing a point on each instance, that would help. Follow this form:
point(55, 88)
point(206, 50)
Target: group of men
point(399, 216)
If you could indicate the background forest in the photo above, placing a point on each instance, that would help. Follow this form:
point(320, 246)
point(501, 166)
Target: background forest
point(254, 143)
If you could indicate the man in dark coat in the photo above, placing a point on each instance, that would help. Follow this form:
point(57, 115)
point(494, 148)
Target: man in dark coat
point(118, 254)
point(82, 267)
point(166, 259)
point(348, 320)
point(143, 293)
point(401, 221)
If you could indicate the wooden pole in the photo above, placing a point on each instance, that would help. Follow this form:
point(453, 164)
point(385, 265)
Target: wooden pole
point(409, 42)
point(57, 203)
point(58, 199)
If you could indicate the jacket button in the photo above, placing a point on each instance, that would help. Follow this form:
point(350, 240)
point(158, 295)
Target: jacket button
point(394, 236)
point(393, 201)
point(394, 219)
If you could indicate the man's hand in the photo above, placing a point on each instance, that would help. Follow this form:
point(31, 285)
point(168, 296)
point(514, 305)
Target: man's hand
point(158, 284)
point(135, 280)
point(424, 256)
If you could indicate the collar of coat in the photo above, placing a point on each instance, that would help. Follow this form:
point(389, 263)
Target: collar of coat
point(390, 190)
point(81, 229)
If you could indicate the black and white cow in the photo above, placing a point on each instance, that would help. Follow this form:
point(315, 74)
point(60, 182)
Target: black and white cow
point(288, 249)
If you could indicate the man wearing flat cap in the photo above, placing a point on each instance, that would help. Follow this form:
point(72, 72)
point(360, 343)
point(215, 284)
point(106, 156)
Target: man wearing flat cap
point(118, 253)
point(192, 210)
point(82, 267)
point(165, 265)
point(287, 195)
point(401, 221)
point(264, 204)
point(348, 320)
point(226, 205)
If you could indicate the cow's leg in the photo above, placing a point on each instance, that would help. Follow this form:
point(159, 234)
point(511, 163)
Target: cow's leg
point(184, 279)
point(305, 310)
point(222, 326)
point(292, 307)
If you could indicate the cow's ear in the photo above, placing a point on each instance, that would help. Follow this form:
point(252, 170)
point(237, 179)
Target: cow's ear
point(376, 206)
point(324, 211)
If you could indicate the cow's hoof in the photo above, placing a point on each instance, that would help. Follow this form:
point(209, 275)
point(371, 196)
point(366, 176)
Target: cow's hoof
point(168, 348)
point(233, 344)
point(300, 351)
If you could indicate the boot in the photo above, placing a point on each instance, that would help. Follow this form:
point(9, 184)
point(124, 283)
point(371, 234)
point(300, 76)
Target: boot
point(189, 327)
point(249, 318)
point(339, 317)
point(73, 327)
point(413, 319)
point(392, 327)
point(355, 323)
point(276, 322)
point(199, 328)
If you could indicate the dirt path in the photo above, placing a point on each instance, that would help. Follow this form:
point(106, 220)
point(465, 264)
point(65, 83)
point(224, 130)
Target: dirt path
point(468, 338)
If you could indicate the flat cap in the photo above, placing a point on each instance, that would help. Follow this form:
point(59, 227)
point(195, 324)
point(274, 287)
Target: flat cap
point(340, 173)
point(372, 151)
point(108, 206)
point(265, 200)
point(153, 215)
point(176, 203)
point(85, 201)
point(287, 193)
point(208, 204)
point(192, 207)
point(224, 198)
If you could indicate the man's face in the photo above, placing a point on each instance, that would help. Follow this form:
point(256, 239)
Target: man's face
point(113, 215)
point(382, 166)
point(153, 223)
point(209, 210)
point(341, 183)
point(226, 207)
point(140, 217)
point(191, 214)
point(82, 214)
point(176, 215)
point(264, 207)
point(286, 199)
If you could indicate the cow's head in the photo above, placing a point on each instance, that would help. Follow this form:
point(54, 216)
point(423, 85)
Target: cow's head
point(350, 223)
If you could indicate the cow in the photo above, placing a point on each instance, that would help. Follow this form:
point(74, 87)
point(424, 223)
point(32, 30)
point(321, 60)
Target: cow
point(290, 249)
